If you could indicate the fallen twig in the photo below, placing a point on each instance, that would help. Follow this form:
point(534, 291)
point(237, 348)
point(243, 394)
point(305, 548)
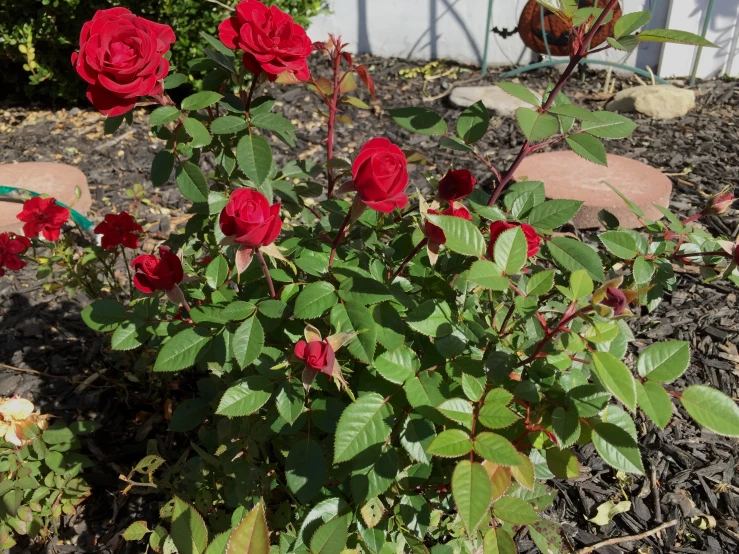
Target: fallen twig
point(34, 372)
point(631, 538)
point(114, 141)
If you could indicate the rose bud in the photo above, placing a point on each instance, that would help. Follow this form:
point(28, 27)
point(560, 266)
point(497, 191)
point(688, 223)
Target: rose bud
point(456, 185)
point(616, 299)
point(153, 274)
point(380, 175)
point(121, 58)
point(497, 228)
point(119, 229)
point(719, 203)
point(434, 233)
point(317, 355)
point(43, 215)
point(249, 219)
point(271, 40)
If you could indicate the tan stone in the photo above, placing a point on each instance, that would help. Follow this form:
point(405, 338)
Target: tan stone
point(494, 98)
point(656, 101)
point(567, 176)
point(55, 179)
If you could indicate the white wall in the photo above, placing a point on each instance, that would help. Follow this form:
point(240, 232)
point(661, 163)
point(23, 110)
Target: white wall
point(455, 29)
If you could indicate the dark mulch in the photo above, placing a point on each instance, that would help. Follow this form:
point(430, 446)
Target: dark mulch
point(690, 471)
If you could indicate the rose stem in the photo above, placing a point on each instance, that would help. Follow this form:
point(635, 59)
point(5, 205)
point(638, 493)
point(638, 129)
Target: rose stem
point(412, 255)
point(128, 271)
point(575, 59)
point(339, 237)
point(272, 292)
point(332, 109)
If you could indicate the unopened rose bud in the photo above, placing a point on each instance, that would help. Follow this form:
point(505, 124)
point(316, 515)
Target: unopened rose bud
point(719, 204)
point(616, 299)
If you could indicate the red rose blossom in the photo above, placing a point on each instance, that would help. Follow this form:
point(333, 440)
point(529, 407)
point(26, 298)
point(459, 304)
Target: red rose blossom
point(250, 220)
point(119, 229)
point(380, 175)
point(616, 299)
point(456, 184)
point(43, 215)
point(499, 227)
point(11, 245)
point(317, 355)
point(153, 274)
point(121, 58)
point(271, 40)
point(434, 233)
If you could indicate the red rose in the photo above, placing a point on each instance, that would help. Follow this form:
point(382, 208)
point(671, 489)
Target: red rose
point(380, 175)
point(317, 355)
point(152, 273)
point(11, 245)
point(615, 299)
point(271, 40)
point(119, 229)
point(498, 227)
point(121, 57)
point(250, 220)
point(43, 215)
point(434, 233)
point(456, 184)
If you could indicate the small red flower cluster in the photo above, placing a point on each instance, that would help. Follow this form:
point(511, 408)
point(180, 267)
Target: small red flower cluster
point(456, 185)
point(119, 229)
point(43, 216)
point(497, 228)
point(11, 247)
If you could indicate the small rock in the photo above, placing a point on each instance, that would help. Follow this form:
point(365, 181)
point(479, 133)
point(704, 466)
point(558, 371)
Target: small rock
point(494, 98)
point(656, 101)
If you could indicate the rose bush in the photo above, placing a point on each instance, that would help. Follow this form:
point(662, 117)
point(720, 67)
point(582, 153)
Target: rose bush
point(454, 381)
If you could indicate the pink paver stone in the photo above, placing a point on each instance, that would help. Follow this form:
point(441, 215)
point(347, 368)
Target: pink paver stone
point(55, 179)
point(568, 176)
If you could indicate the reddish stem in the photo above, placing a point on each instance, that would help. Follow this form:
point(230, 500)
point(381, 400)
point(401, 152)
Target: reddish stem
point(551, 334)
point(265, 269)
point(332, 109)
point(339, 237)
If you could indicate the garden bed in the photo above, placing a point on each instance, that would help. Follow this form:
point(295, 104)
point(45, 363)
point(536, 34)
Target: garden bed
point(48, 354)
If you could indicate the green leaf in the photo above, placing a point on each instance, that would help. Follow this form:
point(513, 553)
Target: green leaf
point(620, 243)
point(451, 443)
point(497, 416)
point(655, 402)
point(191, 182)
point(201, 100)
point(363, 424)
point(473, 387)
point(581, 284)
point(189, 415)
point(278, 124)
point(305, 469)
point(588, 147)
point(245, 397)
point(165, 114)
point(515, 511)
point(454, 143)
point(397, 366)
point(496, 449)
point(161, 167)
point(216, 272)
point(112, 124)
point(416, 436)
point(363, 290)
point(189, 533)
point(566, 426)
point(199, 133)
point(510, 251)
point(520, 92)
point(536, 126)
point(315, 299)
point(643, 270)
point(219, 543)
point(372, 476)
point(228, 125)
point(712, 409)
point(433, 318)
point(183, 350)
point(560, 7)
point(609, 126)
point(498, 541)
point(254, 155)
point(488, 276)
point(568, 110)
point(127, 336)
point(239, 310)
point(419, 120)
point(357, 318)
point(630, 22)
point(571, 254)
point(617, 448)
point(457, 409)
point(627, 43)
point(473, 123)
point(540, 283)
point(462, 236)
point(553, 213)
point(664, 361)
point(472, 493)
point(330, 538)
point(248, 342)
point(290, 400)
point(104, 315)
point(616, 377)
point(674, 36)
point(136, 531)
point(251, 535)
point(390, 327)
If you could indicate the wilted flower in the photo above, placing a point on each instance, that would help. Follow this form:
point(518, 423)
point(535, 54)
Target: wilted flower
point(17, 415)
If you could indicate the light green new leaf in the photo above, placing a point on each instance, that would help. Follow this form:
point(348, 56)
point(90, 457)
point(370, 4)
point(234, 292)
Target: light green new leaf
point(457, 409)
point(655, 402)
point(497, 416)
point(664, 361)
point(553, 213)
point(245, 397)
point(201, 100)
point(136, 531)
point(191, 182)
point(251, 535)
point(498, 541)
point(633, 207)
point(581, 284)
point(419, 120)
point(608, 510)
point(643, 270)
point(536, 126)
point(363, 424)
point(189, 532)
point(588, 147)
point(462, 236)
point(488, 275)
point(568, 110)
point(620, 243)
point(330, 538)
point(451, 443)
point(712, 409)
point(472, 492)
point(616, 377)
point(540, 283)
point(183, 350)
point(397, 366)
point(609, 126)
point(674, 36)
point(497, 449)
point(248, 342)
point(520, 92)
point(315, 299)
point(617, 448)
point(571, 254)
point(510, 252)
point(473, 123)
point(630, 22)
point(515, 511)
point(254, 155)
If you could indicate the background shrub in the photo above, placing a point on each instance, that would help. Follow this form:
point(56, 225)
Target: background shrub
point(37, 38)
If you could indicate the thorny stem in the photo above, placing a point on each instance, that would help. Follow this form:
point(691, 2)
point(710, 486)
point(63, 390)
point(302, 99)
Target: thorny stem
point(339, 237)
point(410, 256)
point(265, 269)
point(128, 271)
point(575, 59)
point(332, 109)
point(252, 88)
